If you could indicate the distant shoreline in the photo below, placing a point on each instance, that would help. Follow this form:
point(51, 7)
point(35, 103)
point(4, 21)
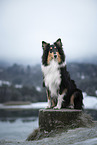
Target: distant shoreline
point(9, 103)
point(23, 105)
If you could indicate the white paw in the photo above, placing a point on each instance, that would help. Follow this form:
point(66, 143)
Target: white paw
point(57, 107)
point(47, 107)
point(71, 106)
point(49, 104)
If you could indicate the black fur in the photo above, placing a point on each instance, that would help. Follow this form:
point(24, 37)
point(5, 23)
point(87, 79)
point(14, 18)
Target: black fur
point(61, 52)
point(45, 55)
point(71, 87)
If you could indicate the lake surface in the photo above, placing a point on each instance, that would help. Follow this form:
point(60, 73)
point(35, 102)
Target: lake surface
point(18, 129)
point(17, 124)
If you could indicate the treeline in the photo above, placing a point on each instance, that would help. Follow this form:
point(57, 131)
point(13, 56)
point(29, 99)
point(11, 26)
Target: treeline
point(30, 78)
point(85, 76)
point(24, 75)
point(10, 93)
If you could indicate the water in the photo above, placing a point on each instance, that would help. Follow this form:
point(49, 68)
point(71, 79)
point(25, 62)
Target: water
point(18, 129)
point(17, 124)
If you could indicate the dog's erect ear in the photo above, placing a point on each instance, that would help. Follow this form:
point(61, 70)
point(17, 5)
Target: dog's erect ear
point(59, 43)
point(44, 44)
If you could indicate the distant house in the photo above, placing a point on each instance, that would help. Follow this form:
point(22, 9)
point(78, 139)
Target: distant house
point(5, 83)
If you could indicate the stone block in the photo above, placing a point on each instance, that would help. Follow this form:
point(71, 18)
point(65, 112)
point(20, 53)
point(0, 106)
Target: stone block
point(50, 119)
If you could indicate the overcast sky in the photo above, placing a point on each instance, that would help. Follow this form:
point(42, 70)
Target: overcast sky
point(25, 23)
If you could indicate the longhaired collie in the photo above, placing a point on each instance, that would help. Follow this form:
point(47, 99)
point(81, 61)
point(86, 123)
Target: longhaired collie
point(57, 80)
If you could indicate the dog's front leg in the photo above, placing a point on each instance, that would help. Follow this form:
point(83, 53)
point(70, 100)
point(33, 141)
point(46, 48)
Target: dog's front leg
point(60, 99)
point(49, 99)
point(71, 106)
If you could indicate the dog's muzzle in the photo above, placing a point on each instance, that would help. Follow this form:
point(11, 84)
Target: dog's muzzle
point(55, 55)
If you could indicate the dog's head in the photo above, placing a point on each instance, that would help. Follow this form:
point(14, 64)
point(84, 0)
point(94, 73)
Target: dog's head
point(52, 52)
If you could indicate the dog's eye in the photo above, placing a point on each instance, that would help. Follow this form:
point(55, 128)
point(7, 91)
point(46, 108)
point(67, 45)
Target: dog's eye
point(56, 48)
point(50, 50)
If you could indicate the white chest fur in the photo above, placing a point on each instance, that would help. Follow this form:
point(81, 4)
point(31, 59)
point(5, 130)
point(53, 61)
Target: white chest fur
point(52, 77)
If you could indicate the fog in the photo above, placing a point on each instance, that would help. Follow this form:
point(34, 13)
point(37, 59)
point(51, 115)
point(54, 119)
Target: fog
point(25, 23)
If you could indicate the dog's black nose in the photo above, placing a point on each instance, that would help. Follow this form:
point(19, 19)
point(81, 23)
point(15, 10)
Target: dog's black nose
point(55, 55)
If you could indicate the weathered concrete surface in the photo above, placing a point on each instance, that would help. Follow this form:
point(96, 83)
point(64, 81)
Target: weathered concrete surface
point(50, 119)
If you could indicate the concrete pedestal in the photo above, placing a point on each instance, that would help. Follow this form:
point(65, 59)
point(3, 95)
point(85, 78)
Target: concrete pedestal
point(50, 119)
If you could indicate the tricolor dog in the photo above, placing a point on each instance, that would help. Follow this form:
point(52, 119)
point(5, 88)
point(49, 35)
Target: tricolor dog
point(57, 80)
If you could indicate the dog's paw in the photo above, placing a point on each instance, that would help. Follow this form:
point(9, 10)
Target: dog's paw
point(47, 107)
point(57, 107)
point(71, 106)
